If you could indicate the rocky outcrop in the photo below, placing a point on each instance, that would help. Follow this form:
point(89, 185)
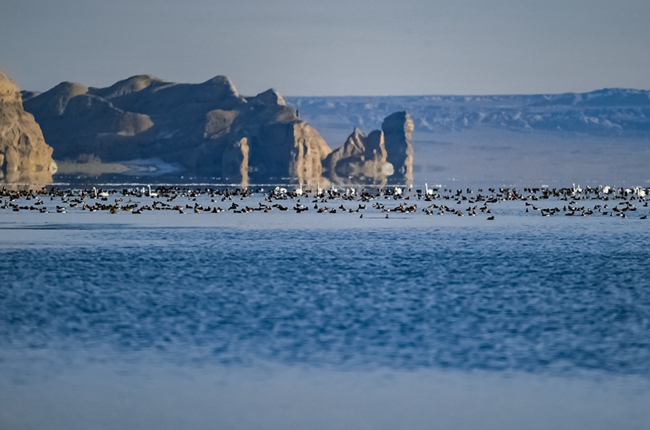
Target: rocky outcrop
point(235, 162)
point(361, 160)
point(210, 131)
point(206, 130)
point(311, 149)
point(25, 158)
point(398, 135)
point(377, 159)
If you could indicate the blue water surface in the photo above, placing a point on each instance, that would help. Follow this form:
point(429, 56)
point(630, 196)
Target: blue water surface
point(545, 300)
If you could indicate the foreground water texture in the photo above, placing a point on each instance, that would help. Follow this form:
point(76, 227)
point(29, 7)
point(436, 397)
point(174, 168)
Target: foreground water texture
point(307, 320)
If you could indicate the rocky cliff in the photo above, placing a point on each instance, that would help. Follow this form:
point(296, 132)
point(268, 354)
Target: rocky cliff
point(398, 134)
point(25, 158)
point(382, 157)
point(361, 160)
point(205, 130)
point(209, 131)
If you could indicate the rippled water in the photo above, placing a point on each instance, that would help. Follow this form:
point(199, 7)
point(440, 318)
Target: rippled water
point(556, 300)
point(467, 298)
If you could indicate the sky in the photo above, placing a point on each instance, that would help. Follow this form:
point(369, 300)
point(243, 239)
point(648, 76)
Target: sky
point(333, 47)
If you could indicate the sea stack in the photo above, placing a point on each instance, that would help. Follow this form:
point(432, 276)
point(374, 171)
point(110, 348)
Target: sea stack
point(361, 160)
point(398, 136)
point(25, 158)
point(382, 157)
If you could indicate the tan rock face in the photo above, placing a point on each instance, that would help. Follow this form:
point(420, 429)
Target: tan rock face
point(9, 92)
point(25, 158)
point(310, 149)
point(235, 162)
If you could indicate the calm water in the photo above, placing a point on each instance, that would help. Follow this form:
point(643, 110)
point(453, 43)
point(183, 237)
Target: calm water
point(560, 300)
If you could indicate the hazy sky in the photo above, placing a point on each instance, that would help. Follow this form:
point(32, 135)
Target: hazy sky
point(334, 47)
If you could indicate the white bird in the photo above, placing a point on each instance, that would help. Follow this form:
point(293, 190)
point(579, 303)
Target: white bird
point(576, 190)
point(640, 192)
point(398, 191)
point(150, 193)
point(103, 194)
point(298, 190)
point(428, 191)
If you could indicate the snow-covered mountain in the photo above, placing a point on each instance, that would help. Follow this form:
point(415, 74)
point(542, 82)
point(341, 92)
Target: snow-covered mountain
point(607, 112)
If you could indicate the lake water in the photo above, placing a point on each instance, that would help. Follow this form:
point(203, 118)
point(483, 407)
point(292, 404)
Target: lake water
point(286, 320)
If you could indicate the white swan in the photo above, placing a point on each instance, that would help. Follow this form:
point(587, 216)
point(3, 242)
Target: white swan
point(428, 191)
point(640, 192)
point(576, 190)
point(103, 194)
point(150, 193)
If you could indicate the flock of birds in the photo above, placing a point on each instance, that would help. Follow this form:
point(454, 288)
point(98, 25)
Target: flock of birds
point(571, 201)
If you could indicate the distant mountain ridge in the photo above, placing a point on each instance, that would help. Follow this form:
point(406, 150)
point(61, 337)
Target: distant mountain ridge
point(605, 112)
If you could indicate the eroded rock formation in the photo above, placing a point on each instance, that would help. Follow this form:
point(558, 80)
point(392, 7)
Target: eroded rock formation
point(361, 160)
point(205, 130)
point(377, 159)
point(398, 136)
point(25, 158)
point(210, 131)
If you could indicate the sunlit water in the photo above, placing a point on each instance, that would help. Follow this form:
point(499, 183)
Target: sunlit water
point(302, 321)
